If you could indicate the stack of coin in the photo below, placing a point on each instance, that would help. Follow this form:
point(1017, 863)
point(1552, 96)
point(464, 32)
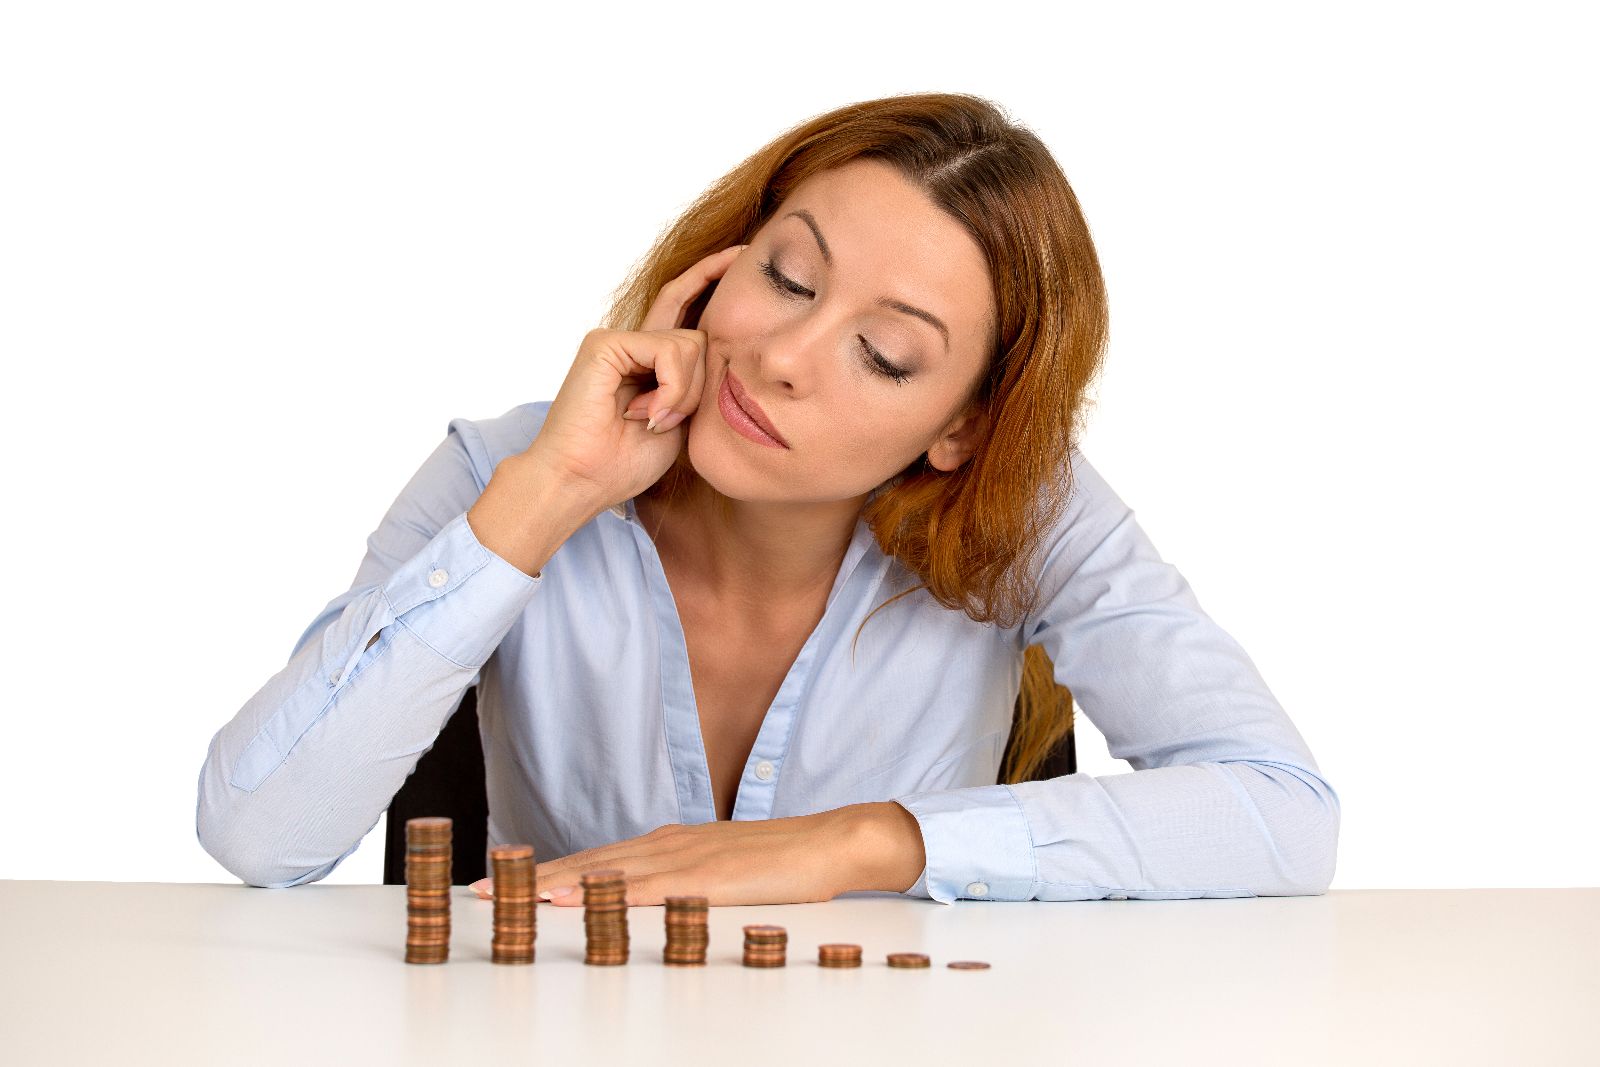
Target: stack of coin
point(687, 936)
point(512, 941)
point(427, 890)
point(908, 960)
point(765, 946)
point(839, 955)
point(605, 917)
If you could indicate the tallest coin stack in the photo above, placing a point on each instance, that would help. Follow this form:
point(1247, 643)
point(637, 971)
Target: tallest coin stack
point(427, 890)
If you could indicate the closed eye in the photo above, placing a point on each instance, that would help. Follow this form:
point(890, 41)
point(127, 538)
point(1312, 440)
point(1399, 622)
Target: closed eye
point(874, 359)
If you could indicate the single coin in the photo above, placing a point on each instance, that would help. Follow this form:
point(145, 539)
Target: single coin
point(968, 965)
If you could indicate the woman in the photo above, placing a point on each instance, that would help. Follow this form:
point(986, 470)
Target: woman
point(749, 602)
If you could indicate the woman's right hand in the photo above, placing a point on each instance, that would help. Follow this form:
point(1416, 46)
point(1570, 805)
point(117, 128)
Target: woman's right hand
point(596, 436)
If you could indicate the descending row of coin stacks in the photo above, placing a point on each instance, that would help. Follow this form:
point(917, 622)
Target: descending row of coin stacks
point(605, 917)
point(427, 890)
point(687, 935)
point(838, 955)
point(428, 850)
point(765, 946)
point(514, 932)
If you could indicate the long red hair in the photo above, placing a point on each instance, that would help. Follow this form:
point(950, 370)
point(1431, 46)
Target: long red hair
point(970, 535)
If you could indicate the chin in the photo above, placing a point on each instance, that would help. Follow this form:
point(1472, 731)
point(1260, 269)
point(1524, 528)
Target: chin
point(714, 459)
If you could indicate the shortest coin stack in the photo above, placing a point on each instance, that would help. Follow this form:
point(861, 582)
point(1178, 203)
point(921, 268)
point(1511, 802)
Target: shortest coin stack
point(427, 890)
point(967, 965)
point(765, 946)
point(605, 917)
point(839, 955)
point(687, 936)
point(908, 960)
point(512, 941)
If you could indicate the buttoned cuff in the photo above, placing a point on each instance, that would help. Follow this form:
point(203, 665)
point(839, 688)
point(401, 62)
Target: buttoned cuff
point(457, 596)
point(977, 844)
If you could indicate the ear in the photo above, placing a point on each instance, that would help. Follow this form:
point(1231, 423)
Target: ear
point(959, 440)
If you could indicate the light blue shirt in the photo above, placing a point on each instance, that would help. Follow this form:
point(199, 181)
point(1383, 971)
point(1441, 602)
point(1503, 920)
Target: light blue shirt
point(591, 735)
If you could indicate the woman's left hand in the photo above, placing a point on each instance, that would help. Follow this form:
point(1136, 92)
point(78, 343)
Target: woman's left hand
point(791, 860)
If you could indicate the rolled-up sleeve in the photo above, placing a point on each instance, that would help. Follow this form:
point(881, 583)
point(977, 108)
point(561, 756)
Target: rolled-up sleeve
point(299, 775)
point(1225, 799)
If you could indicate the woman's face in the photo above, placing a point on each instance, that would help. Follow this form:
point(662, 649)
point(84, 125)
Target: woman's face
point(791, 324)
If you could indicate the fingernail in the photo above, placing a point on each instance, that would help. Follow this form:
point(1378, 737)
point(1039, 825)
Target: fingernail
point(651, 425)
point(559, 891)
point(671, 419)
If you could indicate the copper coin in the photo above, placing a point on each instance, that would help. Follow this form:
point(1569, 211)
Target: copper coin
point(968, 965)
point(511, 852)
point(908, 960)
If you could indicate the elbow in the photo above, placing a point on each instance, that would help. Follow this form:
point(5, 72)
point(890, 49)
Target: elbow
point(255, 868)
point(248, 865)
point(1314, 830)
point(243, 854)
point(1296, 813)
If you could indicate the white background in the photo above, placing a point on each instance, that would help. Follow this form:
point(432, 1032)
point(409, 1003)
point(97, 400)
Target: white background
point(253, 258)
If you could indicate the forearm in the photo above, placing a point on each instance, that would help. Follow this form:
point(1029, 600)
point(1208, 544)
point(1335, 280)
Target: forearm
point(304, 769)
point(1212, 828)
point(524, 515)
point(883, 847)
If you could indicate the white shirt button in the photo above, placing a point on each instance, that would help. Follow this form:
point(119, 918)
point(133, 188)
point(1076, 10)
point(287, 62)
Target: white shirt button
point(764, 770)
point(438, 578)
point(1118, 896)
point(978, 889)
point(334, 678)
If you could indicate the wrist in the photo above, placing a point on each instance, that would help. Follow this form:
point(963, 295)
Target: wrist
point(883, 847)
point(524, 515)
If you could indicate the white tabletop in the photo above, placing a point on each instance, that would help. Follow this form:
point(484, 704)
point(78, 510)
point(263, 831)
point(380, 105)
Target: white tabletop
point(110, 972)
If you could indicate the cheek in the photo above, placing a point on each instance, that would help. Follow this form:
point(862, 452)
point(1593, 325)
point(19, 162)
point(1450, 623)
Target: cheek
point(736, 311)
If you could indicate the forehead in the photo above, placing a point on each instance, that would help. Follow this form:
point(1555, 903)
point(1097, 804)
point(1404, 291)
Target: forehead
point(887, 238)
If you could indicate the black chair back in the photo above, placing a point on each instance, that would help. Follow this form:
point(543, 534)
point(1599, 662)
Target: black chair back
point(448, 780)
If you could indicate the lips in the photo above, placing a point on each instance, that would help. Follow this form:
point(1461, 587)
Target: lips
point(748, 405)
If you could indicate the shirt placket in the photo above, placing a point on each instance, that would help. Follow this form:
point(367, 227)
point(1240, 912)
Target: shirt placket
point(758, 783)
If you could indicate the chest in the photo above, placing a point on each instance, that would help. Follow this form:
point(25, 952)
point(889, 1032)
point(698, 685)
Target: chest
point(736, 670)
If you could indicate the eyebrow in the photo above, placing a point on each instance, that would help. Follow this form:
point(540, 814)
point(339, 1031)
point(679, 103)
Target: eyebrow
point(885, 302)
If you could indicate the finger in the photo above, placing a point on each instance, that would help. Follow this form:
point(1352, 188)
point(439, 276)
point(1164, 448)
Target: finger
point(588, 859)
point(570, 869)
point(628, 401)
point(565, 887)
point(663, 838)
point(674, 358)
point(677, 360)
point(484, 887)
point(666, 313)
point(643, 891)
point(673, 411)
point(637, 408)
point(562, 895)
point(653, 890)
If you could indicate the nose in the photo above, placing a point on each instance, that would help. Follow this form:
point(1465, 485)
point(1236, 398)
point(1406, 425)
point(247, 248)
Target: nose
point(789, 359)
